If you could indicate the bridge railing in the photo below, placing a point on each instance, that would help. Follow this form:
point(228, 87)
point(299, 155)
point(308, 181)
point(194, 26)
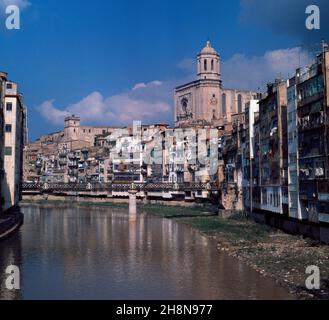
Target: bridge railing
point(118, 187)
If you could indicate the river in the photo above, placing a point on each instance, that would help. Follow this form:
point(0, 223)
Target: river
point(96, 253)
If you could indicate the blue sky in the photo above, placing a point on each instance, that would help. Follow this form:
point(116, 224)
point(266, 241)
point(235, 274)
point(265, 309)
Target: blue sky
point(112, 62)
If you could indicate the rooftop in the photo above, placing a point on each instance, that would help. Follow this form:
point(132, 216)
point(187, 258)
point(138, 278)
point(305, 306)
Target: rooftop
point(208, 49)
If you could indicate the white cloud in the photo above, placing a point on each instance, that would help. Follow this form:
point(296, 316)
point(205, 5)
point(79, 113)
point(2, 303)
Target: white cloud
point(254, 72)
point(144, 102)
point(139, 86)
point(50, 113)
point(153, 101)
point(142, 85)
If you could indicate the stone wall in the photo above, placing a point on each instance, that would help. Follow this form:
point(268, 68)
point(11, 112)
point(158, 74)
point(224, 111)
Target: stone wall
point(293, 226)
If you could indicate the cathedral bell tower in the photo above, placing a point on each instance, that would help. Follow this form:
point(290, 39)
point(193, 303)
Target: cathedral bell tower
point(199, 102)
point(208, 62)
point(204, 101)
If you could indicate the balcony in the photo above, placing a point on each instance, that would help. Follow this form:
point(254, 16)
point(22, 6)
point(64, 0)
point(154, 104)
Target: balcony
point(63, 153)
point(59, 171)
point(183, 117)
point(311, 173)
point(311, 149)
point(73, 165)
point(308, 100)
point(311, 124)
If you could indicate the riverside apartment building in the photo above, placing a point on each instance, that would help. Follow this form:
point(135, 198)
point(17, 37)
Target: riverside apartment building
point(13, 136)
point(312, 87)
point(274, 149)
point(2, 90)
point(290, 140)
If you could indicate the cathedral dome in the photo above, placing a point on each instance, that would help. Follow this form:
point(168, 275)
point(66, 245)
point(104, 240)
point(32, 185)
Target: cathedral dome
point(208, 49)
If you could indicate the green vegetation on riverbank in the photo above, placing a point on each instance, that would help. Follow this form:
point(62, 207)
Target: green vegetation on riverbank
point(273, 253)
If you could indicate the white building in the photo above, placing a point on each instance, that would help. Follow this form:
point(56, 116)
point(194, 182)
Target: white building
point(293, 168)
point(251, 109)
point(14, 140)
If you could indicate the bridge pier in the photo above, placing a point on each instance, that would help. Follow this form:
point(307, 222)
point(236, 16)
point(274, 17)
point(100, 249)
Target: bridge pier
point(132, 205)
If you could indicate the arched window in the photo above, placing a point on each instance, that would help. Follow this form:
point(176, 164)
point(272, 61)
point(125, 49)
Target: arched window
point(239, 103)
point(212, 65)
point(223, 103)
point(205, 65)
point(184, 105)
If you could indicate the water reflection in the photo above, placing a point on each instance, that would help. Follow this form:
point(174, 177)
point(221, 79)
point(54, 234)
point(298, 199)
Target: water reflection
point(82, 253)
point(10, 254)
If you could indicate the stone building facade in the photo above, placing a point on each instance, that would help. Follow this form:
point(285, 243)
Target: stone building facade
point(274, 148)
point(13, 137)
point(312, 87)
point(3, 77)
point(249, 154)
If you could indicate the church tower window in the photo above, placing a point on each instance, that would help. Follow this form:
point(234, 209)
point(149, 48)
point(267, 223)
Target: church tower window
point(205, 65)
point(184, 105)
point(212, 65)
point(224, 103)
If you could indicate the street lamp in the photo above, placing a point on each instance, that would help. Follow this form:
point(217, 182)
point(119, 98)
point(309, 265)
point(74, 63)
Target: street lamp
point(132, 170)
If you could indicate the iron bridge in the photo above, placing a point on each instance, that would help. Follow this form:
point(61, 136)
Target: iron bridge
point(28, 187)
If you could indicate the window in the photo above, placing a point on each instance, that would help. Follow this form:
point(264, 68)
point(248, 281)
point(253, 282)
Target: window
point(9, 106)
point(264, 196)
point(223, 103)
point(8, 151)
point(212, 65)
point(205, 65)
point(8, 128)
point(9, 85)
point(239, 103)
point(184, 105)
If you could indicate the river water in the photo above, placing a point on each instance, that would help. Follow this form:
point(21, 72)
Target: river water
point(96, 253)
